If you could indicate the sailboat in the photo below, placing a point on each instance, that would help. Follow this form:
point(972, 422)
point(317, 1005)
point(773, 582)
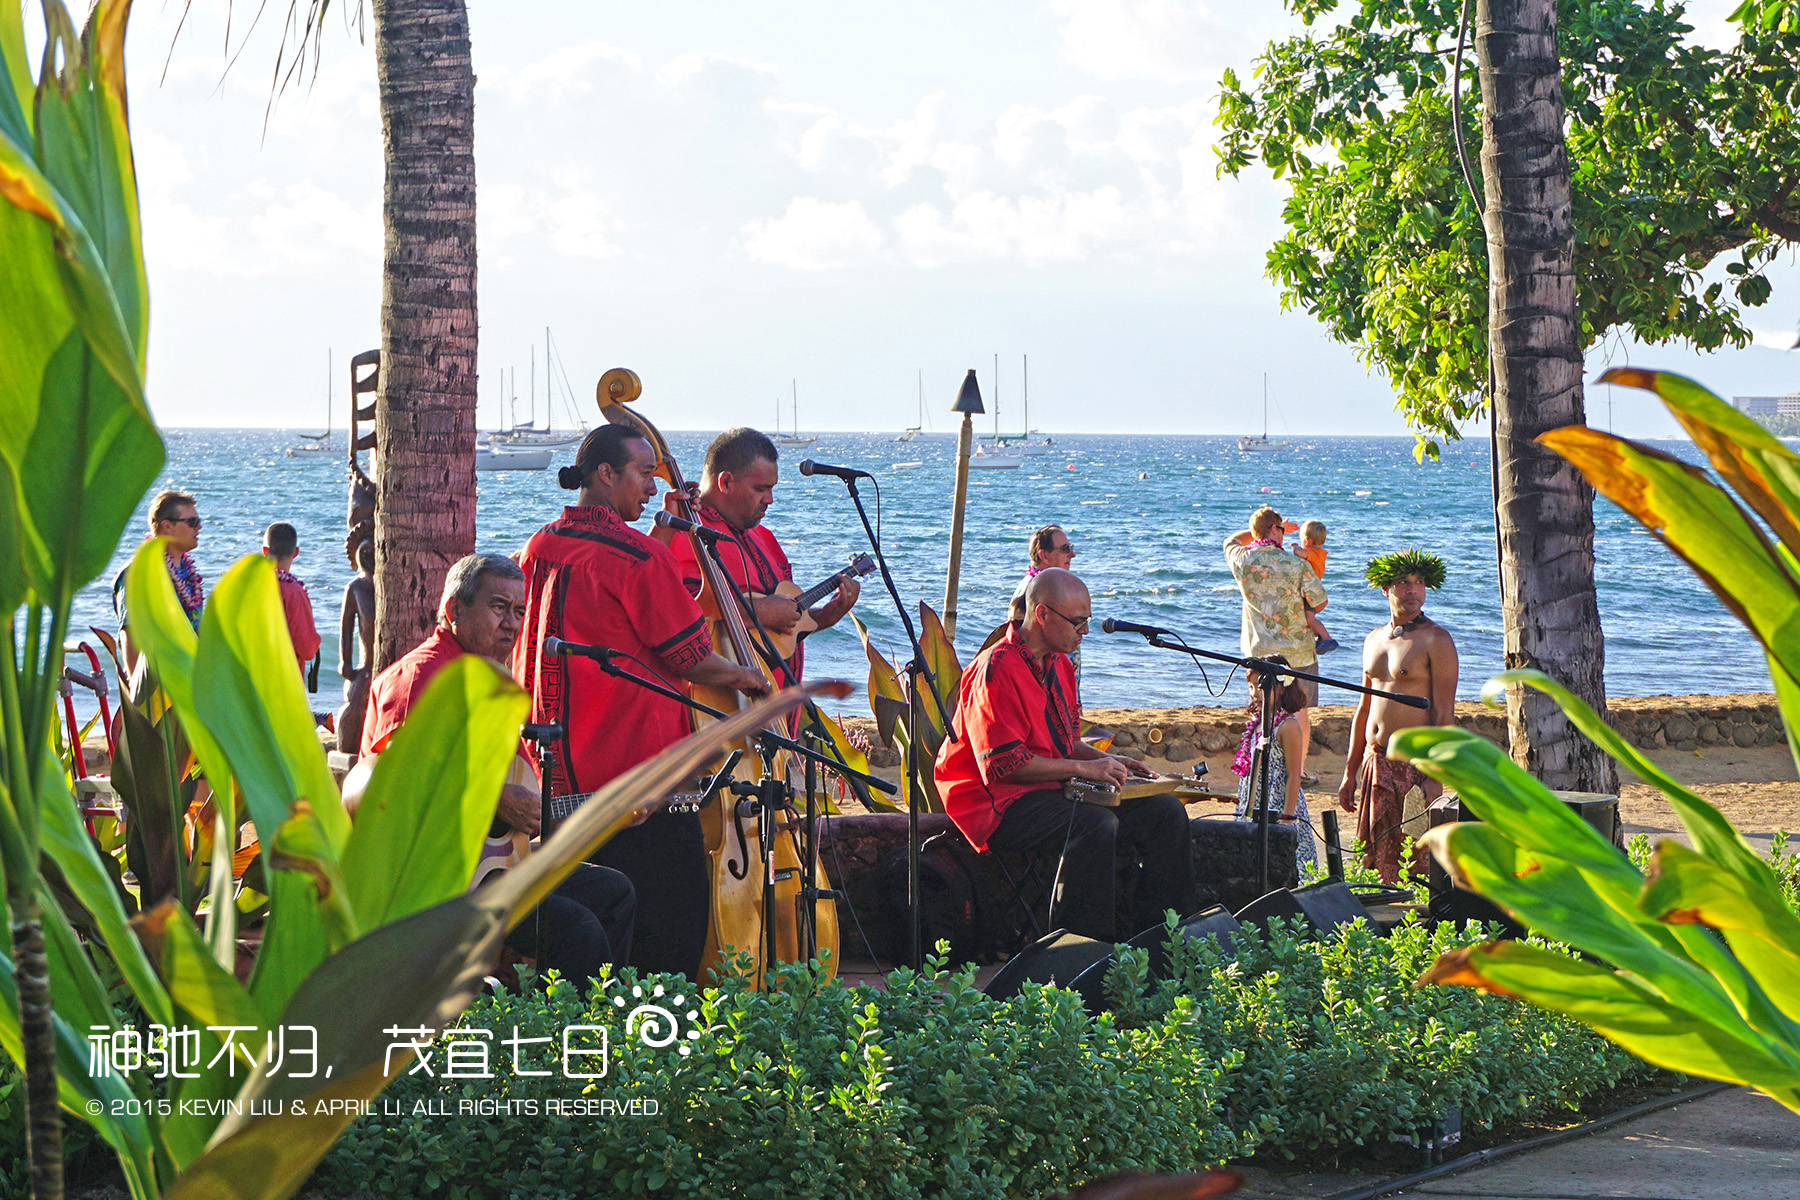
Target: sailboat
point(992, 453)
point(498, 454)
point(317, 445)
point(529, 435)
point(1251, 445)
point(793, 437)
point(912, 431)
point(1015, 445)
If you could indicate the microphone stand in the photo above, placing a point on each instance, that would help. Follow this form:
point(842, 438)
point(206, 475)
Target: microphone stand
point(1267, 686)
point(915, 672)
point(811, 894)
point(545, 736)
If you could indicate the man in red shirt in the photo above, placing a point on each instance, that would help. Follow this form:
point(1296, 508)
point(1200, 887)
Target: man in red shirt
point(736, 489)
point(281, 545)
point(591, 578)
point(1019, 739)
point(588, 918)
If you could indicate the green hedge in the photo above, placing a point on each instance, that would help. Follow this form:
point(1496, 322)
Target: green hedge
point(932, 1089)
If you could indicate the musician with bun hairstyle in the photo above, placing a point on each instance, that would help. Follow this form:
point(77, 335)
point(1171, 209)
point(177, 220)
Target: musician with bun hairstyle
point(591, 578)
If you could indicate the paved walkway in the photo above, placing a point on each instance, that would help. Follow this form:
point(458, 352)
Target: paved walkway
point(1733, 1145)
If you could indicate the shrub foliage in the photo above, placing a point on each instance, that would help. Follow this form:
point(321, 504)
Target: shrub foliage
point(818, 1089)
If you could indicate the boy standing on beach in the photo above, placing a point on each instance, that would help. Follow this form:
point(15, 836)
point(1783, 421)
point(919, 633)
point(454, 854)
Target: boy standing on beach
point(1312, 550)
point(282, 545)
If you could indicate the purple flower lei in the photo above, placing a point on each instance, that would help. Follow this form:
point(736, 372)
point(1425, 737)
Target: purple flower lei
point(1240, 765)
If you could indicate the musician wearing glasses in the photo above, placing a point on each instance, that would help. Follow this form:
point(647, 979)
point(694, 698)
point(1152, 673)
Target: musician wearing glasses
point(1019, 740)
point(1049, 547)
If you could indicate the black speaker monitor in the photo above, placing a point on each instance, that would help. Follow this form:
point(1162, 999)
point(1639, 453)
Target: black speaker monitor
point(1326, 906)
point(1057, 958)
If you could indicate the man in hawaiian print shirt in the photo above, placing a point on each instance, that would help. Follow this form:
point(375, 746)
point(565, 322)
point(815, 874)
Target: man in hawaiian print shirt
point(1277, 589)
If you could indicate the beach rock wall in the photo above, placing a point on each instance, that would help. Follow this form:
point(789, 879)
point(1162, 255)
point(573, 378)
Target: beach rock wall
point(1182, 737)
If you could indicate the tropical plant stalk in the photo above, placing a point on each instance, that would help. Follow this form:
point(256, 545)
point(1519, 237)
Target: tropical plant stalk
point(1545, 514)
point(43, 1126)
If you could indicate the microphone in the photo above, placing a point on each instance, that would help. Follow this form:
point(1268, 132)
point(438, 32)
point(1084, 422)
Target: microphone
point(668, 520)
point(556, 647)
point(809, 467)
point(1111, 626)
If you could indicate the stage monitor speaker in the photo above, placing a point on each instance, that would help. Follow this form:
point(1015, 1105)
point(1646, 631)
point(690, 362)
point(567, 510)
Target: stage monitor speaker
point(1056, 958)
point(1081, 964)
point(1326, 906)
point(1451, 903)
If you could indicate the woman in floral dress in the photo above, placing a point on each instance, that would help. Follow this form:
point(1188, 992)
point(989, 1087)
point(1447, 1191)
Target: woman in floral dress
point(1286, 744)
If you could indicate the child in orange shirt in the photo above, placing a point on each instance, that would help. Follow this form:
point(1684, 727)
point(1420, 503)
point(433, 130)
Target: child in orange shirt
point(1312, 550)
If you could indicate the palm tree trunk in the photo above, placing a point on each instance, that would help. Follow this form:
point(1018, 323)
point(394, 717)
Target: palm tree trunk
point(425, 409)
point(43, 1120)
point(1546, 509)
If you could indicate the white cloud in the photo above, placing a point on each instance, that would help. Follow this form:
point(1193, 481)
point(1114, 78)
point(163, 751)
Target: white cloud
point(815, 235)
point(1172, 41)
point(306, 225)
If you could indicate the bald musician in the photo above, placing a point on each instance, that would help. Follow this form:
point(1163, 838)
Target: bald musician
point(1019, 738)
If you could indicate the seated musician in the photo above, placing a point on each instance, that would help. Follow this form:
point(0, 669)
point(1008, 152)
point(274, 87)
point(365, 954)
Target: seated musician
point(1019, 739)
point(592, 579)
point(588, 918)
point(737, 487)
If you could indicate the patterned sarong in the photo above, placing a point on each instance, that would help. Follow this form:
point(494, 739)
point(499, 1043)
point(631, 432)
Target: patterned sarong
point(1382, 787)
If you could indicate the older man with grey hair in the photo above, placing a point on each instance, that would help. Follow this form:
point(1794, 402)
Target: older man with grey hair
point(588, 919)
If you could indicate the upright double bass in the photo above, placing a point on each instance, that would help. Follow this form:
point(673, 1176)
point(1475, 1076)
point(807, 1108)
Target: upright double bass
point(733, 825)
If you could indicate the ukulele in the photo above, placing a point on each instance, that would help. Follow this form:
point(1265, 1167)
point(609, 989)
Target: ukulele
point(784, 643)
point(509, 849)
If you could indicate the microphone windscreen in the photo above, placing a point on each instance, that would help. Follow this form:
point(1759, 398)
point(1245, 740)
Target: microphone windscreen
point(661, 519)
point(806, 466)
point(1106, 626)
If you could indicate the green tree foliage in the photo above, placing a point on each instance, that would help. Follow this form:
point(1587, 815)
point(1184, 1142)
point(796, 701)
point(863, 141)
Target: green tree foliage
point(1681, 155)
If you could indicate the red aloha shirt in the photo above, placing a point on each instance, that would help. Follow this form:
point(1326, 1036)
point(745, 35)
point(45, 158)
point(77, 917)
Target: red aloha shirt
point(1010, 709)
point(591, 578)
point(753, 558)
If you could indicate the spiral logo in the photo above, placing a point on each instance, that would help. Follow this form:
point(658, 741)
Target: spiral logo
point(656, 1026)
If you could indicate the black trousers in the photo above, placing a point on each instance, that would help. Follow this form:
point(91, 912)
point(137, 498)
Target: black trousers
point(1150, 832)
point(665, 859)
point(587, 923)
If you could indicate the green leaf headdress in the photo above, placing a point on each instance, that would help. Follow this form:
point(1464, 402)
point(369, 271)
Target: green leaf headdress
point(1384, 569)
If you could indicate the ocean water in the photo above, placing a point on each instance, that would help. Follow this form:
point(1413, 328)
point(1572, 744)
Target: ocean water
point(1147, 516)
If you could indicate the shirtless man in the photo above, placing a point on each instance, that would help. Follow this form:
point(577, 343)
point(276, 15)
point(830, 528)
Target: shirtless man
point(1410, 654)
point(356, 628)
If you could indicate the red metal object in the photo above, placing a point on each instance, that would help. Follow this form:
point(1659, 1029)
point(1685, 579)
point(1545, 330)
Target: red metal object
point(98, 685)
point(77, 755)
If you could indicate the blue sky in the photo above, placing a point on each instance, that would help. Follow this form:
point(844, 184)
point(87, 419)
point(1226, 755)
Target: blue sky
point(727, 198)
